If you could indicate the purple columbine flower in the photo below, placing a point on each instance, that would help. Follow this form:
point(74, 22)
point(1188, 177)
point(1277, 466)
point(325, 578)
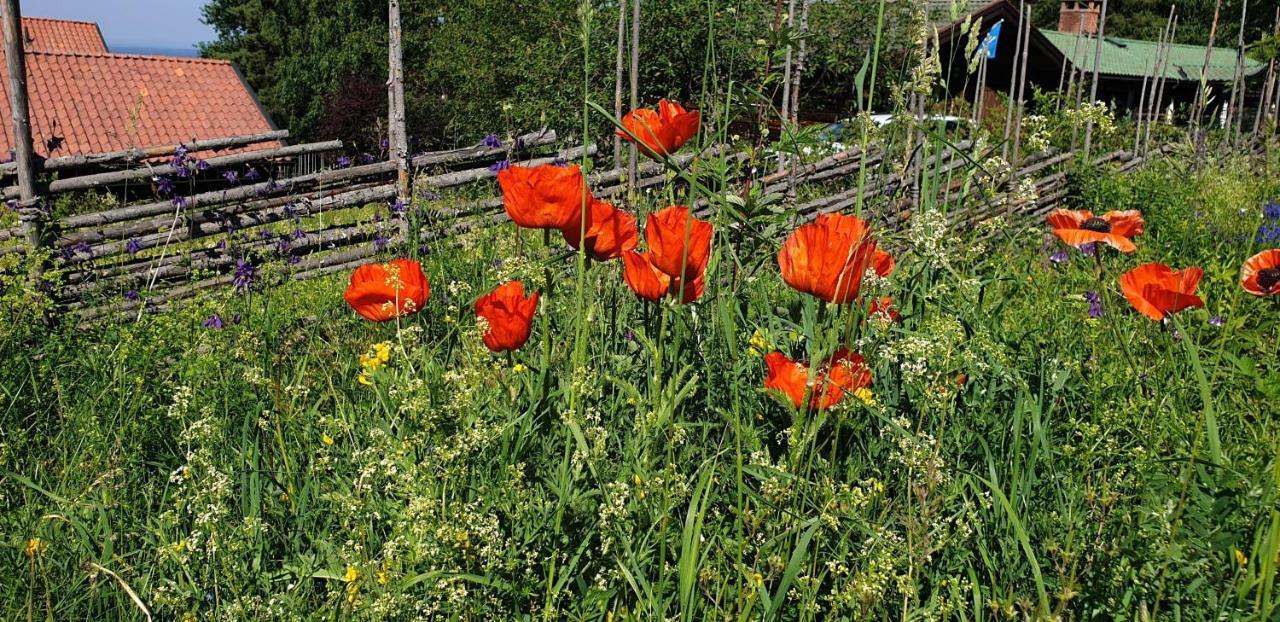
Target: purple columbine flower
point(1271, 210)
point(1095, 304)
point(179, 160)
point(290, 210)
point(179, 201)
point(220, 246)
point(245, 274)
point(252, 174)
point(133, 246)
point(202, 165)
point(165, 185)
point(344, 161)
point(12, 204)
point(264, 235)
point(298, 234)
point(131, 295)
point(1217, 321)
point(367, 158)
point(380, 242)
point(232, 177)
point(1059, 257)
point(497, 264)
point(82, 248)
point(282, 245)
point(214, 321)
point(397, 206)
point(491, 141)
point(502, 165)
point(384, 144)
point(1089, 250)
point(293, 259)
point(235, 318)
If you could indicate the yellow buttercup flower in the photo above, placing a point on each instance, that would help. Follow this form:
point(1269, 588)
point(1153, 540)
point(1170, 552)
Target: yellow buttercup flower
point(1241, 558)
point(519, 368)
point(351, 575)
point(866, 396)
point(35, 548)
point(326, 439)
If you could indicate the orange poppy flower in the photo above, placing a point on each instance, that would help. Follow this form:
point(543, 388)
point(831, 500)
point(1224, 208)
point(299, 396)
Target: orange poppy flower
point(662, 131)
point(509, 314)
point(543, 197)
point(650, 283)
point(883, 263)
point(381, 292)
point(678, 242)
point(884, 306)
point(828, 257)
point(1156, 290)
point(1115, 229)
point(841, 375)
point(610, 232)
point(1260, 275)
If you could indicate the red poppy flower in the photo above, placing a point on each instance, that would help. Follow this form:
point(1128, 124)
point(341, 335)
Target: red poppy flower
point(1260, 275)
point(543, 197)
point(884, 306)
point(1156, 290)
point(1115, 229)
point(841, 375)
point(828, 257)
point(883, 263)
point(381, 292)
point(662, 131)
point(678, 242)
point(610, 232)
point(650, 283)
point(509, 314)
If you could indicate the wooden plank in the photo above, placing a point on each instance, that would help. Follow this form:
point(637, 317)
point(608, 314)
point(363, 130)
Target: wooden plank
point(135, 155)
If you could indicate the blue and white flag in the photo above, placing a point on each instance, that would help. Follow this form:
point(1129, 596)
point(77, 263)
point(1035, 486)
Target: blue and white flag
point(993, 37)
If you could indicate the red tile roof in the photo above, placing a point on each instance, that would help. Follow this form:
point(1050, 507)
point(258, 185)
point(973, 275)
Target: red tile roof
point(107, 102)
point(45, 34)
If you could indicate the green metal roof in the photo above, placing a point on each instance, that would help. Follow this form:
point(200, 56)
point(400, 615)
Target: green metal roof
point(1136, 58)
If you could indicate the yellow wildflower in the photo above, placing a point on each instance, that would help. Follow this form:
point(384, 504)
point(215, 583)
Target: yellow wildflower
point(866, 396)
point(1241, 558)
point(326, 439)
point(35, 547)
point(384, 576)
point(519, 368)
point(351, 575)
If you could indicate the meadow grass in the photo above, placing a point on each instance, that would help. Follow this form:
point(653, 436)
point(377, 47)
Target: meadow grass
point(1016, 459)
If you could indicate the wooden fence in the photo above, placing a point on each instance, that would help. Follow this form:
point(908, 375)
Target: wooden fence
point(147, 254)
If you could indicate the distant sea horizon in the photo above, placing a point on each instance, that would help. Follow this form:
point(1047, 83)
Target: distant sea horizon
point(154, 50)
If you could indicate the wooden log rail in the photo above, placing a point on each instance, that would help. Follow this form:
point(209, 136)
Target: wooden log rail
point(135, 155)
point(343, 247)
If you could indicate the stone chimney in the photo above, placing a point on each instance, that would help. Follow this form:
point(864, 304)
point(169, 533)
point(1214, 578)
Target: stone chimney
point(1079, 16)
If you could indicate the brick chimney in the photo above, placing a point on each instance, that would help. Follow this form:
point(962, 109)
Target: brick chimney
point(1079, 16)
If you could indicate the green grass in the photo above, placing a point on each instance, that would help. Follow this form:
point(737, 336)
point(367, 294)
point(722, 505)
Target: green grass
point(637, 470)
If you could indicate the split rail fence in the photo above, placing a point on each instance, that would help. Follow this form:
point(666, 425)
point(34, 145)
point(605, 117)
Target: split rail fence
point(213, 221)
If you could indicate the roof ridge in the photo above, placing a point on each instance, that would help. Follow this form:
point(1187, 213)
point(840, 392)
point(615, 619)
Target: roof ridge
point(59, 19)
point(159, 57)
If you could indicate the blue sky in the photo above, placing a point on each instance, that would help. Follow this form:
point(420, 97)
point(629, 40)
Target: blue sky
point(132, 23)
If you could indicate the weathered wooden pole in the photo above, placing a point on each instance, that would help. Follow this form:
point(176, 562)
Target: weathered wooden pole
point(1093, 88)
point(16, 62)
point(1200, 101)
point(1235, 111)
point(1264, 101)
point(1164, 76)
point(619, 64)
point(635, 92)
point(1142, 102)
point(399, 136)
point(798, 69)
point(1013, 78)
point(1157, 76)
point(1062, 77)
point(1022, 88)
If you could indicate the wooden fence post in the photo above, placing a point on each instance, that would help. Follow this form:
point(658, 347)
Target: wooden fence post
point(399, 138)
point(23, 152)
point(1093, 87)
